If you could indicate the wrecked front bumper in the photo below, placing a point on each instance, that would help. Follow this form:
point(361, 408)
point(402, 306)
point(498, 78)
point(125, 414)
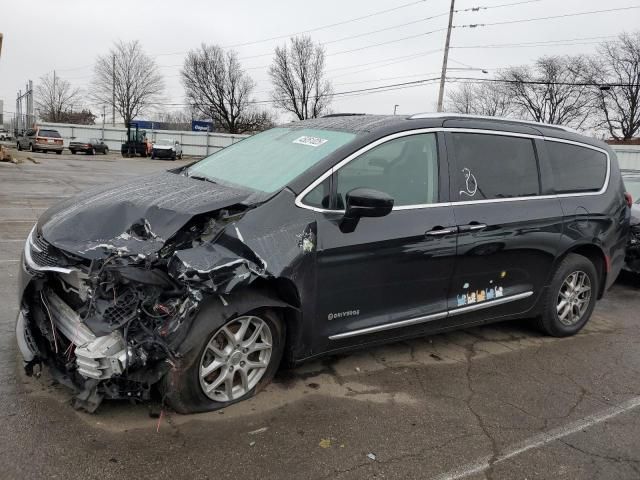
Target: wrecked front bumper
point(632, 255)
point(100, 347)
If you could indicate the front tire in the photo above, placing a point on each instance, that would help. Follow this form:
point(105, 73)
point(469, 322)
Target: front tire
point(571, 297)
point(19, 147)
point(231, 363)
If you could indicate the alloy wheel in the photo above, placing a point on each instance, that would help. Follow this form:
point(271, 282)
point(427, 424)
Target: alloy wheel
point(573, 298)
point(236, 358)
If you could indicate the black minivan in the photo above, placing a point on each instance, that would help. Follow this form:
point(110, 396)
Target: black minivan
point(313, 238)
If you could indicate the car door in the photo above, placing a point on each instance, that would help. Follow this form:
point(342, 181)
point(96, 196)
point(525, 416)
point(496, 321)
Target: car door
point(509, 225)
point(390, 275)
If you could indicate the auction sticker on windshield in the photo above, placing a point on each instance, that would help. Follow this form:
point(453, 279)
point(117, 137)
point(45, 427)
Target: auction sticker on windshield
point(310, 141)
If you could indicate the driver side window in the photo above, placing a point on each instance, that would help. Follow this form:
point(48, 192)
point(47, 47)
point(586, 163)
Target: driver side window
point(405, 168)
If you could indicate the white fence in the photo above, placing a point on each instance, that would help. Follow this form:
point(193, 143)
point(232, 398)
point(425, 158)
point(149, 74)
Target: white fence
point(197, 144)
point(628, 156)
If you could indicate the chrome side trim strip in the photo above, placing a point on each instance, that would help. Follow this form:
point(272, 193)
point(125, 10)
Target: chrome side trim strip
point(434, 316)
point(337, 166)
point(490, 303)
point(389, 326)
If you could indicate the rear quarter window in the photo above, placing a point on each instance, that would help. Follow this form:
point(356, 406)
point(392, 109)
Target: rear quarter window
point(576, 169)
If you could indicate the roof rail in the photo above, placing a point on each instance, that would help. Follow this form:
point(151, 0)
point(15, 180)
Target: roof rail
point(330, 115)
point(487, 117)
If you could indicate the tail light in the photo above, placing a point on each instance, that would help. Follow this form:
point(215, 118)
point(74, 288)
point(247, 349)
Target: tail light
point(41, 140)
point(628, 198)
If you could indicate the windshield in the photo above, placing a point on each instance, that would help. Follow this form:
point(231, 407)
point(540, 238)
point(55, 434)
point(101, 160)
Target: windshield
point(269, 160)
point(164, 141)
point(632, 186)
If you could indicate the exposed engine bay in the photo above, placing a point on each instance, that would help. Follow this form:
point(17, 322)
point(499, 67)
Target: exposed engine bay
point(632, 257)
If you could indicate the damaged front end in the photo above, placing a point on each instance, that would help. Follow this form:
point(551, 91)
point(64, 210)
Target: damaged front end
point(632, 256)
point(109, 319)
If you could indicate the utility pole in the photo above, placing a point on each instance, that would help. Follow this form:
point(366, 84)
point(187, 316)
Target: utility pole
point(113, 90)
point(55, 99)
point(446, 57)
point(104, 112)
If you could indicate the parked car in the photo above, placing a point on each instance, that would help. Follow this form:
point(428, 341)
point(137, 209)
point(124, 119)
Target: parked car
point(632, 184)
point(41, 139)
point(90, 146)
point(315, 238)
point(5, 134)
point(166, 148)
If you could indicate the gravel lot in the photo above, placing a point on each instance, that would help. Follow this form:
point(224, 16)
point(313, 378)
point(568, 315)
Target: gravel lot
point(499, 402)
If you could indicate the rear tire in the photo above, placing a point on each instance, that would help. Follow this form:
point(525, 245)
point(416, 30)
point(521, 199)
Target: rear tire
point(19, 147)
point(106, 151)
point(73, 152)
point(571, 297)
point(31, 149)
point(59, 152)
point(184, 386)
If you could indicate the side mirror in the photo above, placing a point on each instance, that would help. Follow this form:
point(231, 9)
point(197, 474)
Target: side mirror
point(364, 202)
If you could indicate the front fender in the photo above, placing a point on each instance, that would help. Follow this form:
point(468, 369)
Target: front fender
point(215, 310)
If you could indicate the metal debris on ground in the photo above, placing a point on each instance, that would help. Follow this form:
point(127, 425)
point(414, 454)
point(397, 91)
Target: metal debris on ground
point(371, 456)
point(260, 430)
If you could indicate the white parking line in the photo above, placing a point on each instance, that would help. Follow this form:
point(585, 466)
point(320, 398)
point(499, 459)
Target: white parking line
point(539, 440)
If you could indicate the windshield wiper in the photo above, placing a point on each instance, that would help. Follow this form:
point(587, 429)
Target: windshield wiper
point(203, 178)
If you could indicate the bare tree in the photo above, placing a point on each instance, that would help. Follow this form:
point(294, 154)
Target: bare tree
point(55, 97)
point(129, 73)
point(297, 74)
point(616, 69)
point(555, 90)
point(218, 88)
point(484, 98)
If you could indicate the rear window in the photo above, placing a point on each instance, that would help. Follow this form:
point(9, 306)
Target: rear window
point(493, 166)
point(576, 169)
point(49, 133)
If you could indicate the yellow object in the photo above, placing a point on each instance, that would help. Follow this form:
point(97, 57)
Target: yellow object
point(325, 443)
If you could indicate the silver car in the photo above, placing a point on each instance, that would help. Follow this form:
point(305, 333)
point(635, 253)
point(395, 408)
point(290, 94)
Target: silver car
point(41, 139)
point(166, 148)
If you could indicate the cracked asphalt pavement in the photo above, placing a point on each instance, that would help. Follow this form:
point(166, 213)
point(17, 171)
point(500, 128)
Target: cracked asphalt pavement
point(496, 402)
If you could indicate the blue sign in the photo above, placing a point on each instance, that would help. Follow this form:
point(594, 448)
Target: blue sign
point(200, 126)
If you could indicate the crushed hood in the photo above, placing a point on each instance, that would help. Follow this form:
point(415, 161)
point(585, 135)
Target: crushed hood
point(136, 217)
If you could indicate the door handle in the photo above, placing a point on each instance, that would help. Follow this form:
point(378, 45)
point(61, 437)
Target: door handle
point(472, 227)
point(438, 231)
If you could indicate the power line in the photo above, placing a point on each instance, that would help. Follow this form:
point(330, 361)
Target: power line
point(536, 82)
point(315, 29)
point(524, 20)
point(477, 9)
point(566, 41)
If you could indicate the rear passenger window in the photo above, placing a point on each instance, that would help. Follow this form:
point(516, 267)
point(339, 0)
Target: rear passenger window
point(493, 166)
point(576, 169)
point(405, 168)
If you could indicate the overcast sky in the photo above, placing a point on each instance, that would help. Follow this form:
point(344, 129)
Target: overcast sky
point(66, 35)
